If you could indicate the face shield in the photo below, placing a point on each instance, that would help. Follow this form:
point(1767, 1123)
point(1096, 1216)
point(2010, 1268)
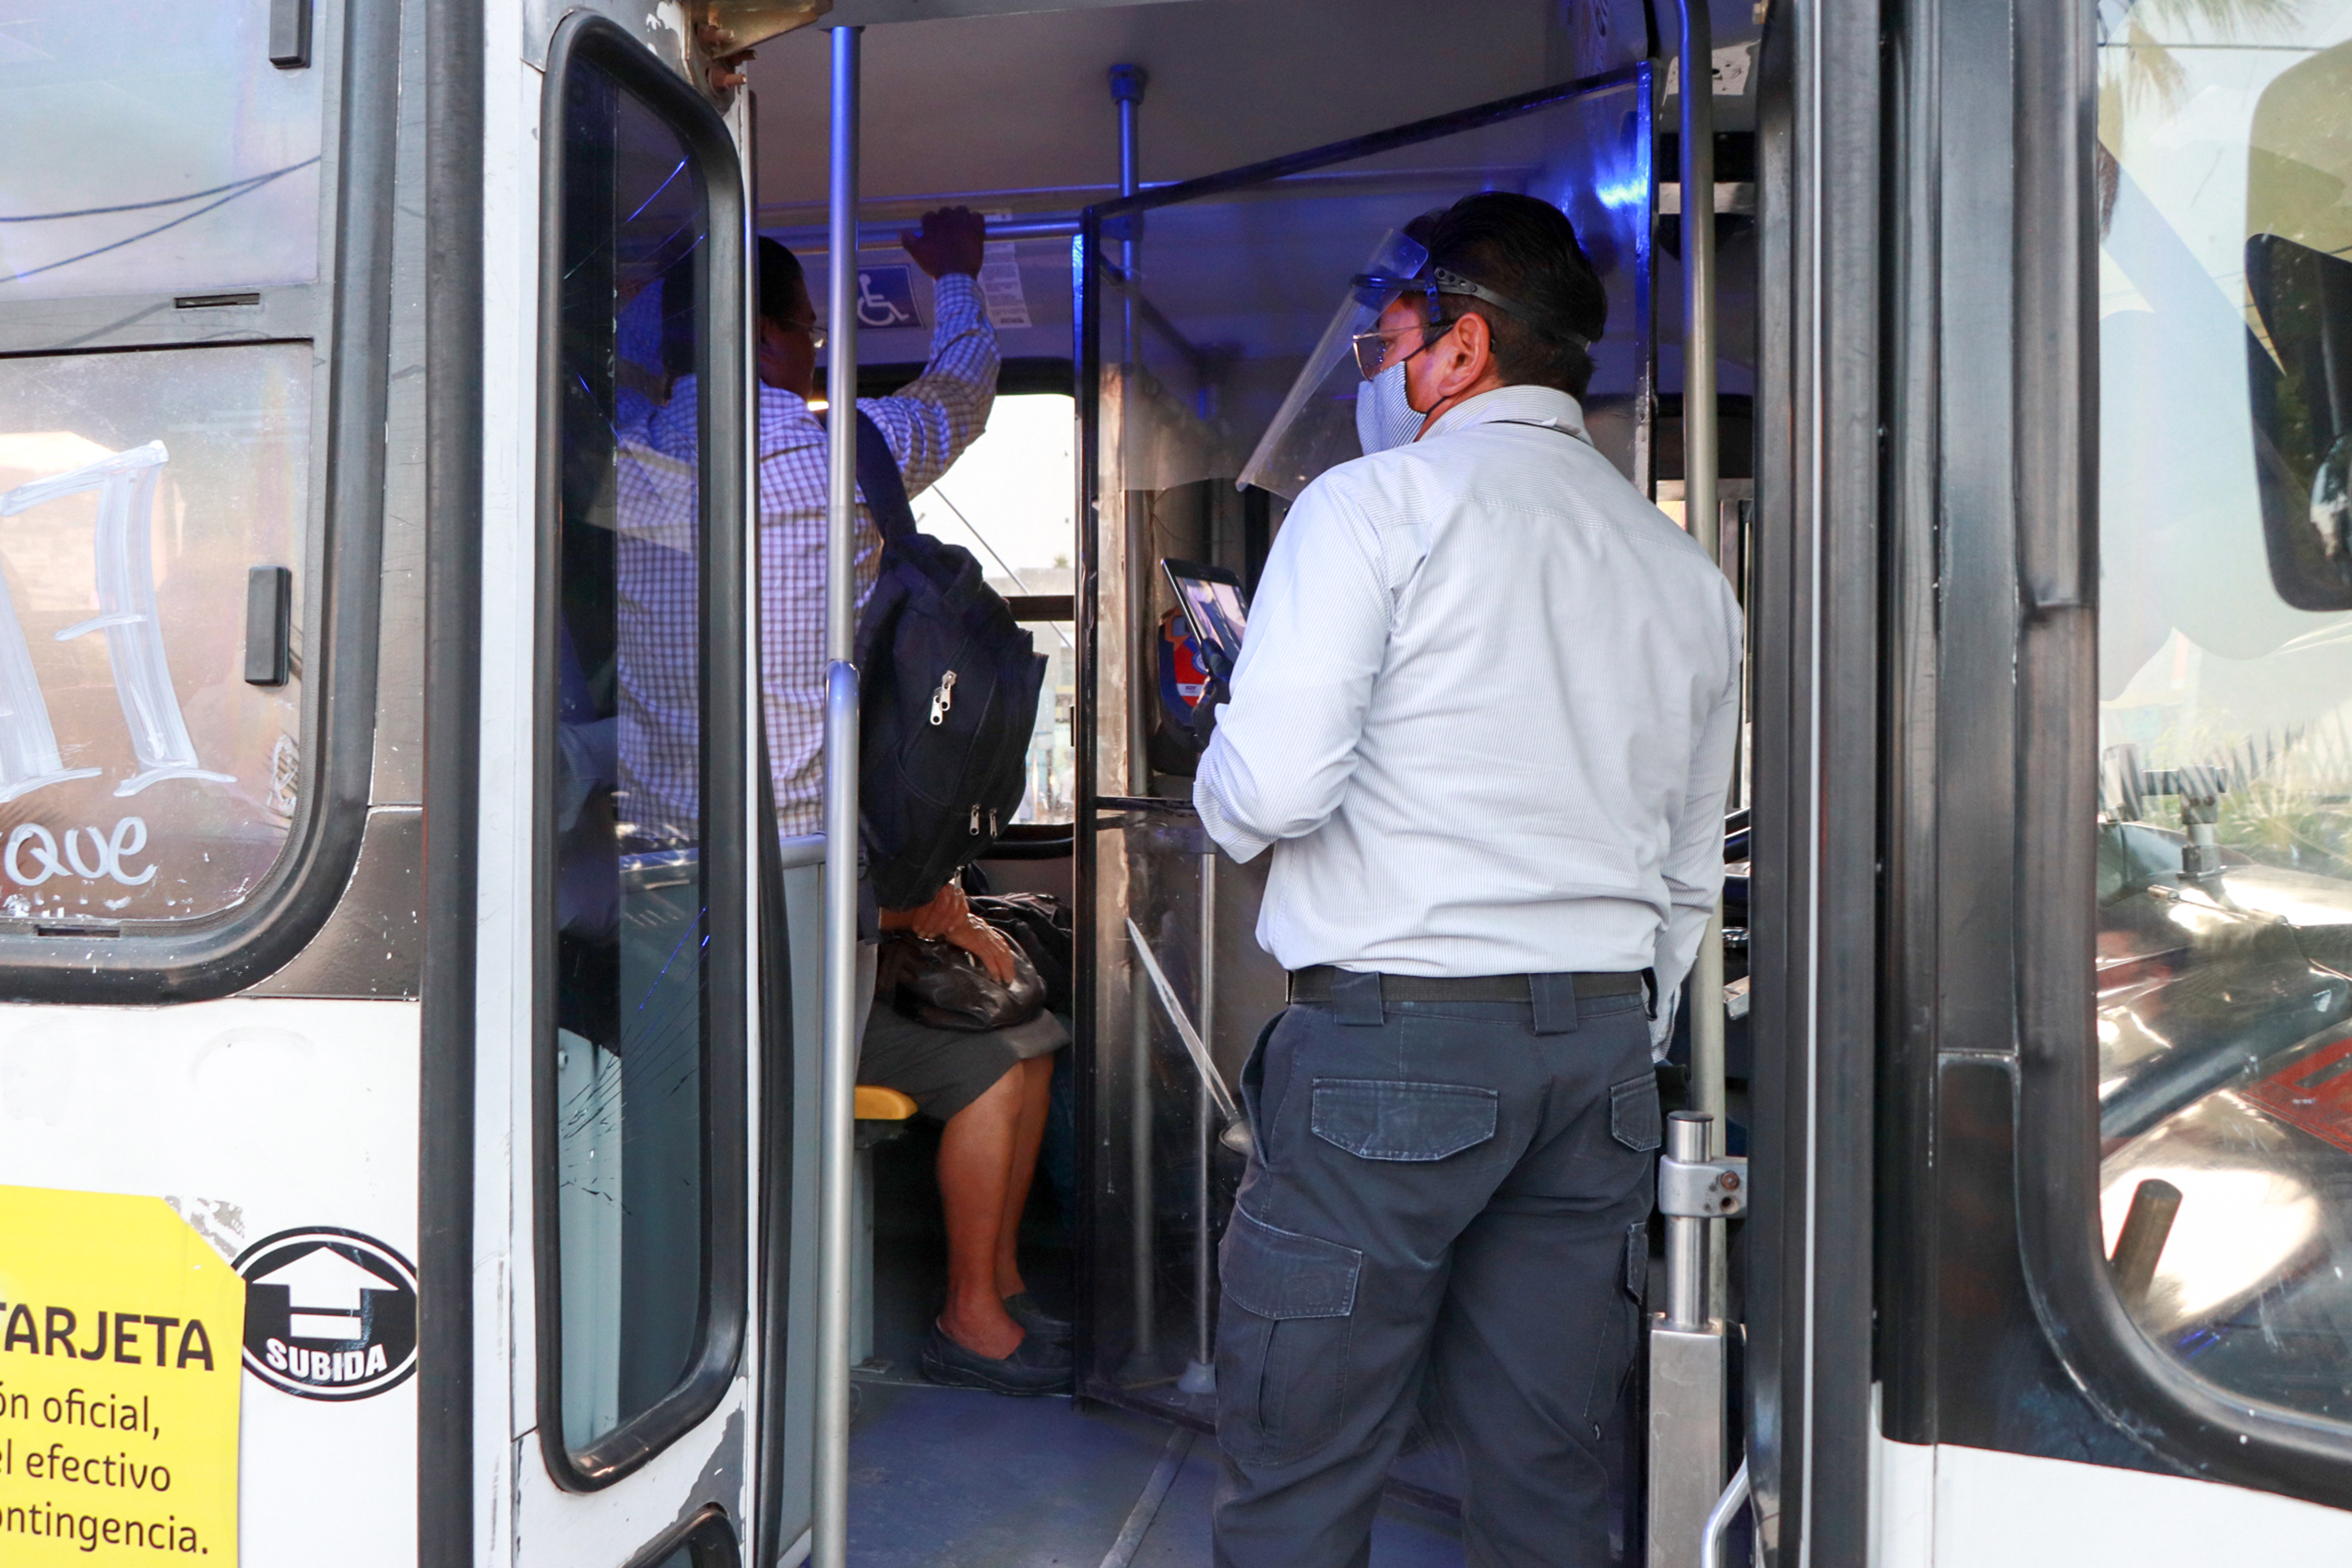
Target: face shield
point(1315, 427)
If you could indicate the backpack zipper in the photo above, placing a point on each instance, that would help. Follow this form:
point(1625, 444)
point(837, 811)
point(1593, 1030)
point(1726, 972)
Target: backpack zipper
point(943, 699)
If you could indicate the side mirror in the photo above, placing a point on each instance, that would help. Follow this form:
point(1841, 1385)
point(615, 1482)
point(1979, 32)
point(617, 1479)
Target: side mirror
point(2302, 392)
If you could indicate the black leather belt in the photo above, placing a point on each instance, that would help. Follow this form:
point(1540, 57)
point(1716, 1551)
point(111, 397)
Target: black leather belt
point(1315, 983)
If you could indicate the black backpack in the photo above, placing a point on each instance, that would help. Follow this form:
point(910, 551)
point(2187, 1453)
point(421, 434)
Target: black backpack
point(949, 693)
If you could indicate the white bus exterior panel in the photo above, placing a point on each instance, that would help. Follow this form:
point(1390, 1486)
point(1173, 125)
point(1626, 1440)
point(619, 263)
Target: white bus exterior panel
point(280, 1113)
point(1944, 1506)
point(606, 1529)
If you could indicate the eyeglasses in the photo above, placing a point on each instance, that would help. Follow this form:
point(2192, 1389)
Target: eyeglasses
point(1374, 290)
point(816, 333)
point(1372, 348)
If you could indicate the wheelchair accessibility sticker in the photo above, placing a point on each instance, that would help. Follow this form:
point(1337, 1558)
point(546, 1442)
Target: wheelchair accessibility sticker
point(329, 1313)
point(886, 296)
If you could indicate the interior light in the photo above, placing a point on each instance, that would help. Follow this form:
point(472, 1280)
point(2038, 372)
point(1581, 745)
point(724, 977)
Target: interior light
point(1624, 195)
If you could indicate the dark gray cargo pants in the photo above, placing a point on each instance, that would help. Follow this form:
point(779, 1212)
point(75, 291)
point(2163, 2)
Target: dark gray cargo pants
point(1446, 1192)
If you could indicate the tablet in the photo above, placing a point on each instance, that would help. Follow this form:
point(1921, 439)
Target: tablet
point(1211, 599)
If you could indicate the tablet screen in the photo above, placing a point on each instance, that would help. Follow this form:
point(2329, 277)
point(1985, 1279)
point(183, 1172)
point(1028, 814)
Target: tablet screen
point(1216, 615)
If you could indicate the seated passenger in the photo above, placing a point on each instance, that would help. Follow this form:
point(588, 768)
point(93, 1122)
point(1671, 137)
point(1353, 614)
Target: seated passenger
point(989, 1090)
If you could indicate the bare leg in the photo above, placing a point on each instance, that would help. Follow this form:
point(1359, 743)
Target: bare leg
point(1037, 1087)
point(975, 1158)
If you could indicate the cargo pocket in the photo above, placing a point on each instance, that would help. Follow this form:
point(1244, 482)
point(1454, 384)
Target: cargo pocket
point(1613, 1368)
point(1634, 1117)
point(1282, 1340)
point(1393, 1119)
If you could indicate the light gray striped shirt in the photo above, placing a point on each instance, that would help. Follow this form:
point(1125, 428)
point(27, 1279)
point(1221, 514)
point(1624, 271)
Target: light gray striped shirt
point(1485, 712)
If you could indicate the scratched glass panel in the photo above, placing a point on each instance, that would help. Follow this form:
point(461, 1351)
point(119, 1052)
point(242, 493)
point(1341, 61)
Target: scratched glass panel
point(172, 156)
point(628, 909)
point(143, 777)
point(2224, 1013)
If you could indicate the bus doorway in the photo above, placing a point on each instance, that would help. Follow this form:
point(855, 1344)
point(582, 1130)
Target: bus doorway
point(1194, 315)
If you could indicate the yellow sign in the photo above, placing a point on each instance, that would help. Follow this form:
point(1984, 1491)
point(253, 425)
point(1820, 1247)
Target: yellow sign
point(119, 1376)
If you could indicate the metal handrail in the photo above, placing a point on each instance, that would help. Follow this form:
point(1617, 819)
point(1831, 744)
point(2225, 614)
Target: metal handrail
point(829, 1545)
point(1726, 1508)
point(1701, 511)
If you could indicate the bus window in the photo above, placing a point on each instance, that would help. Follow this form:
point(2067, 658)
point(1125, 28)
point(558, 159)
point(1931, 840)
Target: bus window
point(149, 725)
point(176, 158)
point(641, 923)
point(2224, 924)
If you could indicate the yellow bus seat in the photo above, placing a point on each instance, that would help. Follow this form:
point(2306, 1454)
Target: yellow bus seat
point(878, 1104)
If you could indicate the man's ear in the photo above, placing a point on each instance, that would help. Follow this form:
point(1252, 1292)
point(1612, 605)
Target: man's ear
point(1468, 355)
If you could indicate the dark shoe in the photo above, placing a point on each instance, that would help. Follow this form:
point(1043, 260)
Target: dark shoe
point(1034, 1367)
point(1024, 1310)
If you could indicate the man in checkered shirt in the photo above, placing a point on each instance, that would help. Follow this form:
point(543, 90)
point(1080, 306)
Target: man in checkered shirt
point(928, 422)
point(988, 1089)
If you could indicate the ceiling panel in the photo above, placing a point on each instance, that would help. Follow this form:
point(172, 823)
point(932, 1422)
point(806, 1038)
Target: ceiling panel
point(1020, 104)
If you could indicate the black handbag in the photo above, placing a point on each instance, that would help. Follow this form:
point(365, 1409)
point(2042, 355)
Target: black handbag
point(938, 983)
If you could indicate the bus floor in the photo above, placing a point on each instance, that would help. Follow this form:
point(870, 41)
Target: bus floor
point(949, 1475)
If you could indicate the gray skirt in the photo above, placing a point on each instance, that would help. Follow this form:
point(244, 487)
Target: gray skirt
point(945, 1070)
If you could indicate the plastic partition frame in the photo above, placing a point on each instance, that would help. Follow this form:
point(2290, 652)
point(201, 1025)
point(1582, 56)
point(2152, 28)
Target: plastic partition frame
point(1088, 330)
point(720, 1333)
point(2185, 1420)
point(173, 961)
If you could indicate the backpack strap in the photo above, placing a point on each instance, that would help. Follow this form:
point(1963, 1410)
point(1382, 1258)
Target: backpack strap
point(884, 488)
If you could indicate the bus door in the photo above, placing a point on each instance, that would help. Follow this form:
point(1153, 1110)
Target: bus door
point(2050, 1256)
point(619, 1015)
point(1207, 401)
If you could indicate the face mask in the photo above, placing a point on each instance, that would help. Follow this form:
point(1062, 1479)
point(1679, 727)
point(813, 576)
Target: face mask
point(1384, 419)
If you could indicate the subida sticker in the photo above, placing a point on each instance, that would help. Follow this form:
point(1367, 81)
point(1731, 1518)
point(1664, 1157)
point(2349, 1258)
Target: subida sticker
point(329, 1313)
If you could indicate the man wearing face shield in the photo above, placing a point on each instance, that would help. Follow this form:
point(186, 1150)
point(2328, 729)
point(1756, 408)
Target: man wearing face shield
point(1483, 720)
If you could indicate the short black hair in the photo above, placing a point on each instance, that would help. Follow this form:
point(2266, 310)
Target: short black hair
point(782, 282)
point(1526, 250)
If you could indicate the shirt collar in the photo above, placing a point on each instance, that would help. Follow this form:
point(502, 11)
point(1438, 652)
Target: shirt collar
point(1518, 405)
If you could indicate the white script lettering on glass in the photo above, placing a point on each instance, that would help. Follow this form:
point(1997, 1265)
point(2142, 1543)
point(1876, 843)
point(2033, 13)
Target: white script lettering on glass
point(126, 613)
point(31, 841)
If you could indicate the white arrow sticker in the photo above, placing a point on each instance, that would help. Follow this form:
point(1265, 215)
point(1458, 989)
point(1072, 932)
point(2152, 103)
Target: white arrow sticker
point(324, 1280)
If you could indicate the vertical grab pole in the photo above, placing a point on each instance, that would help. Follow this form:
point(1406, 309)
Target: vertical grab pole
point(1127, 93)
point(829, 1546)
point(1702, 513)
point(1200, 1375)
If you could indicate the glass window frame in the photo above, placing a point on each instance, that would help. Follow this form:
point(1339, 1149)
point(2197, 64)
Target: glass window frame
point(589, 41)
point(2183, 1418)
point(344, 316)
